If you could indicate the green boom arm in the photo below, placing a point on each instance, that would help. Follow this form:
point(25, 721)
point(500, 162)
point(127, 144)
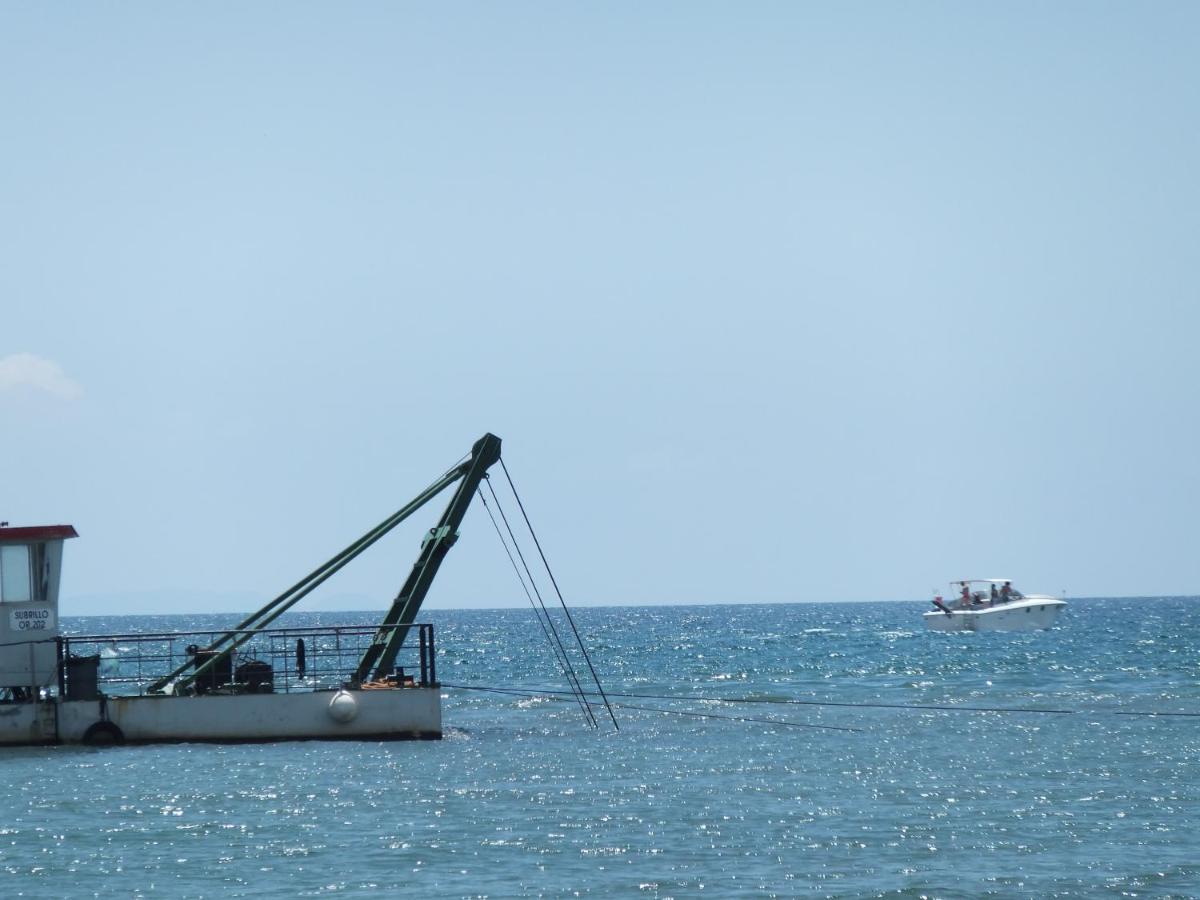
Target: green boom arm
point(391, 634)
point(381, 655)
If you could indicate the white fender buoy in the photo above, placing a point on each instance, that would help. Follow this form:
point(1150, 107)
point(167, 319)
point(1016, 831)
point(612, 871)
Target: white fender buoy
point(343, 707)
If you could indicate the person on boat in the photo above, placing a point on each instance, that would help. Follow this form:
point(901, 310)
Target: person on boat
point(965, 601)
point(1006, 592)
point(994, 595)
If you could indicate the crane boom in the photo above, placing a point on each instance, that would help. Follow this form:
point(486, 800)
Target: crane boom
point(380, 656)
point(388, 639)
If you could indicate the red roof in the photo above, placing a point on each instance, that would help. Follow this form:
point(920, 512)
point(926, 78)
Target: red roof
point(36, 534)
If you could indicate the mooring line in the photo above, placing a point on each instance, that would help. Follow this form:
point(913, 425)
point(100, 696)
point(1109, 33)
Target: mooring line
point(863, 705)
point(675, 712)
point(1136, 712)
point(681, 712)
point(791, 701)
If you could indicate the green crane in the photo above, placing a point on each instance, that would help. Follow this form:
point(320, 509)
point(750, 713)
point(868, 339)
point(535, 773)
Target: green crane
point(380, 655)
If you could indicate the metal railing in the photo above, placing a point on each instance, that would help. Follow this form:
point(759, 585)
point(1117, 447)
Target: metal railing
point(274, 660)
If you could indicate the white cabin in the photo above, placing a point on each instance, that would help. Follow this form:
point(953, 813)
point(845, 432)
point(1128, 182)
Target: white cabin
point(30, 566)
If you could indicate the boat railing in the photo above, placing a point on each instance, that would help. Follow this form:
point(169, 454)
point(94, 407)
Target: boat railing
point(275, 660)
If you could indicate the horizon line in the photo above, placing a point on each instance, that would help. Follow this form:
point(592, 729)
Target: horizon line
point(613, 606)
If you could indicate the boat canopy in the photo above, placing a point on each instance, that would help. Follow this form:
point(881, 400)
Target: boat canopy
point(982, 581)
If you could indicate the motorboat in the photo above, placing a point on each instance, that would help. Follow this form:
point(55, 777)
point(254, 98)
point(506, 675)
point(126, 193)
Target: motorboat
point(992, 604)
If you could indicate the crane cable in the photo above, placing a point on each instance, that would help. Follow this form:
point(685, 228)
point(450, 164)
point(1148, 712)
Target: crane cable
point(551, 633)
point(568, 667)
point(561, 601)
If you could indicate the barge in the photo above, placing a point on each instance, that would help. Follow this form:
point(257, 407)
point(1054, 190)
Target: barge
point(252, 682)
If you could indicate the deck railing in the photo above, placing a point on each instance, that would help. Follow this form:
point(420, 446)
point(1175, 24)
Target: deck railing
point(279, 660)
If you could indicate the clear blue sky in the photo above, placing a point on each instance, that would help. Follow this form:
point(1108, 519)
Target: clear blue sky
point(769, 302)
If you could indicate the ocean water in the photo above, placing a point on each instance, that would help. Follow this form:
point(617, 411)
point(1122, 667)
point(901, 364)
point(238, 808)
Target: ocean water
point(523, 799)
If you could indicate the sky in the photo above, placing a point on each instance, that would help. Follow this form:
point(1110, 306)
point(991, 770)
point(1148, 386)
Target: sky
point(769, 302)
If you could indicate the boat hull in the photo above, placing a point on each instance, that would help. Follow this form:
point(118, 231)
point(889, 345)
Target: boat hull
point(387, 714)
point(1032, 613)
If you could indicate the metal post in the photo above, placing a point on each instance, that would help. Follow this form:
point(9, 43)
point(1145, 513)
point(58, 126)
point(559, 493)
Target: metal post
point(424, 657)
point(432, 659)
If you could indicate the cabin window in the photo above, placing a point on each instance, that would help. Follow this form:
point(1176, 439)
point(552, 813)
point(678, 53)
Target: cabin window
point(40, 567)
point(16, 585)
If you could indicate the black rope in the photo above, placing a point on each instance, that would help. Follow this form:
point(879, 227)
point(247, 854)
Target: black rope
point(555, 644)
point(791, 701)
point(796, 702)
point(1140, 713)
point(554, 582)
point(573, 678)
point(681, 712)
point(657, 709)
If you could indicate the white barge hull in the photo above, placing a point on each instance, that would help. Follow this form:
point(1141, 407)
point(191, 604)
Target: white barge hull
point(385, 714)
point(1031, 613)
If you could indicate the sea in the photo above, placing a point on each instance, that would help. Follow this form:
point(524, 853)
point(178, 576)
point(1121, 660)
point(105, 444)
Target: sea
point(803, 750)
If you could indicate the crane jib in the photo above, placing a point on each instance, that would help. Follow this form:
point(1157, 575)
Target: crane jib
point(381, 654)
point(380, 657)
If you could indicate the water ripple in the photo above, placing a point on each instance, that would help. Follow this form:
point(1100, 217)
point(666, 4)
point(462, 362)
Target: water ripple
point(521, 799)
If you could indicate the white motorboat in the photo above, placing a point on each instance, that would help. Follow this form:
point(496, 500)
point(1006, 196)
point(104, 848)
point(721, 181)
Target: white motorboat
point(992, 604)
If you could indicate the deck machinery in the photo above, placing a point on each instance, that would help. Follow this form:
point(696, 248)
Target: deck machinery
point(248, 683)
